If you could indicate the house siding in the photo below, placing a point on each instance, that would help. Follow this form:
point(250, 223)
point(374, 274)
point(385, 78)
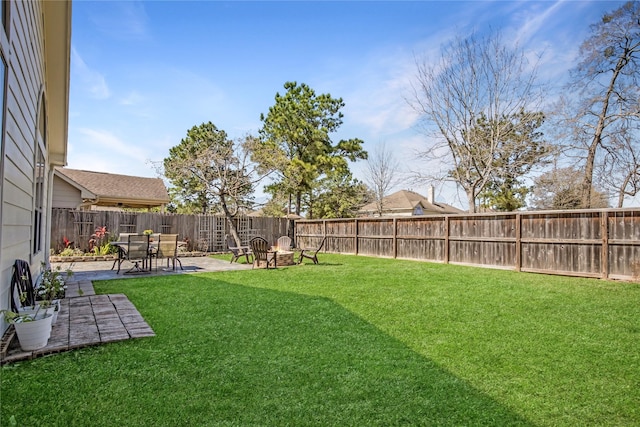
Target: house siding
point(25, 77)
point(65, 195)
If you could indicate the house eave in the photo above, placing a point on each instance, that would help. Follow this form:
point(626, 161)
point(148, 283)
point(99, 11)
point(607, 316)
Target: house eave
point(129, 203)
point(57, 36)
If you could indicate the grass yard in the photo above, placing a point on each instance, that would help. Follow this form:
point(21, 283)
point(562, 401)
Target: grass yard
point(353, 341)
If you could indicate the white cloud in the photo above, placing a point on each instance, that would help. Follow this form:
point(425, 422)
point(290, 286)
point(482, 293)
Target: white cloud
point(375, 95)
point(529, 23)
point(89, 80)
point(103, 151)
point(381, 87)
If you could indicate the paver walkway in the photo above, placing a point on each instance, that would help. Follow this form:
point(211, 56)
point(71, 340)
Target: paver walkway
point(87, 319)
point(84, 321)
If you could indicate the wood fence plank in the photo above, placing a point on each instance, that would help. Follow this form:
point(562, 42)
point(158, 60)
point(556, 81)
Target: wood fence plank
point(78, 226)
point(588, 243)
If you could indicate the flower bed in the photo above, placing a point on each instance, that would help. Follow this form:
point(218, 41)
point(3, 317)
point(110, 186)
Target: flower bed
point(59, 258)
point(88, 258)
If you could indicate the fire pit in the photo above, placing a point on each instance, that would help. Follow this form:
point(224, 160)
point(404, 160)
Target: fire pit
point(284, 258)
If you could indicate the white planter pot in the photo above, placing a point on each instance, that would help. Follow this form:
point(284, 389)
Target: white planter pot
point(35, 334)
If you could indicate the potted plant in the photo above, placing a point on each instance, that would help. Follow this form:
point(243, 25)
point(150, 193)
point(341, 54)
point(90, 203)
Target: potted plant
point(149, 233)
point(52, 289)
point(32, 328)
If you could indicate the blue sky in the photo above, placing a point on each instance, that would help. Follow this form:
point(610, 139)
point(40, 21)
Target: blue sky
point(143, 73)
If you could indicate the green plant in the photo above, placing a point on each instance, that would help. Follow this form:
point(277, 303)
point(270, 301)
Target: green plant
point(12, 317)
point(106, 249)
point(71, 252)
point(52, 285)
point(148, 232)
point(97, 240)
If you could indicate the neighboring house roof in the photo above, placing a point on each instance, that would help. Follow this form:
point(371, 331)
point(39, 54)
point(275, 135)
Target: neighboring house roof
point(405, 201)
point(257, 213)
point(108, 189)
point(260, 213)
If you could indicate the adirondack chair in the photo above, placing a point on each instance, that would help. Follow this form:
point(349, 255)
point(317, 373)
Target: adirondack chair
point(262, 253)
point(284, 243)
point(237, 251)
point(311, 253)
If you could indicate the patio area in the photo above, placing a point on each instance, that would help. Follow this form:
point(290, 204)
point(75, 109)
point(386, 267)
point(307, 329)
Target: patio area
point(101, 270)
point(86, 319)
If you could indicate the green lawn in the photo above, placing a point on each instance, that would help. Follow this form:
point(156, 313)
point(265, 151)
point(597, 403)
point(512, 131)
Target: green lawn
point(353, 341)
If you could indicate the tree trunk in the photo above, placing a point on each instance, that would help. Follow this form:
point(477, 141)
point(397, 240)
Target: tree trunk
point(298, 202)
point(621, 191)
point(587, 182)
point(230, 220)
point(471, 198)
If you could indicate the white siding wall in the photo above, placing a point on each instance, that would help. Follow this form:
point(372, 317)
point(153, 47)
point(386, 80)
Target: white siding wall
point(65, 195)
point(25, 80)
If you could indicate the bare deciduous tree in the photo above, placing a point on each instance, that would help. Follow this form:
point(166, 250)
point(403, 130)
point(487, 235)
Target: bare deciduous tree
point(211, 167)
point(477, 80)
point(381, 174)
point(619, 170)
point(561, 189)
point(605, 86)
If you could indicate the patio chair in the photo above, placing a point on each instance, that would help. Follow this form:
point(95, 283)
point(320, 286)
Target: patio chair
point(284, 243)
point(136, 251)
point(261, 252)
point(167, 247)
point(21, 284)
point(123, 239)
point(237, 251)
point(311, 253)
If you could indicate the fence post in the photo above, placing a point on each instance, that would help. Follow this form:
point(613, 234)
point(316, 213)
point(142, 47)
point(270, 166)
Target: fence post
point(518, 219)
point(395, 237)
point(355, 237)
point(604, 232)
point(446, 239)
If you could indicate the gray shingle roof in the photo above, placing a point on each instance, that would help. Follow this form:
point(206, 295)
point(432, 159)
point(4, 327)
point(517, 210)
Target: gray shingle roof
point(114, 186)
point(405, 200)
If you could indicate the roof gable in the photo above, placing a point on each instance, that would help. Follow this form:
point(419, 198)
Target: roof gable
point(113, 189)
point(84, 192)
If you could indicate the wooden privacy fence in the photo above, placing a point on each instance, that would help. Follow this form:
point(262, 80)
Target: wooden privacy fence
point(204, 232)
point(587, 243)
